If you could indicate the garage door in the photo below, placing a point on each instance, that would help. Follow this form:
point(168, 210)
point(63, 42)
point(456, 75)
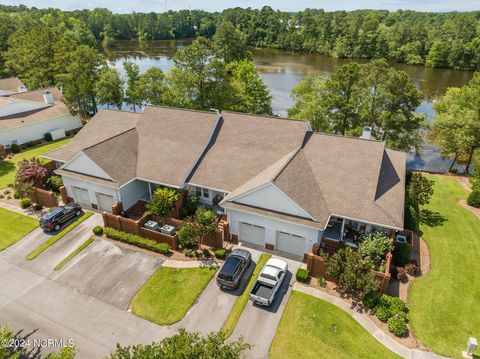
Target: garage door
point(105, 202)
point(80, 196)
point(290, 243)
point(250, 233)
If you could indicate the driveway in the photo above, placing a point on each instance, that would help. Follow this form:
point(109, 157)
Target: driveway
point(258, 324)
point(36, 307)
point(214, 305)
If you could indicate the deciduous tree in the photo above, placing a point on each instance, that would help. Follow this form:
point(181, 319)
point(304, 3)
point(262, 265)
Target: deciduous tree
point(109, 88)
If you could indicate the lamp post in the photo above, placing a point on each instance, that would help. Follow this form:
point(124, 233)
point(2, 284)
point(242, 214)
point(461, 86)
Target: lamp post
point(471, 347)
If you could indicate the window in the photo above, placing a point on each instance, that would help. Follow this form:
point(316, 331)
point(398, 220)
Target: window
point(205, 193)
point(198, 192)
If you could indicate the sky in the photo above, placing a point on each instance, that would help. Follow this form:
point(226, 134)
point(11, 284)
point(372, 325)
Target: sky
point(284, 5)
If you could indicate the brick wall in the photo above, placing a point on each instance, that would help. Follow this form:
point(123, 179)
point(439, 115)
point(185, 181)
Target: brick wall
point(159, 237)
point(215, 240)
point(43, 197)
point(63, 194)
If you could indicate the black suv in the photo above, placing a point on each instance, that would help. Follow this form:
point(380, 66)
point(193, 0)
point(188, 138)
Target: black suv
point(56, 217)
point(232, 270)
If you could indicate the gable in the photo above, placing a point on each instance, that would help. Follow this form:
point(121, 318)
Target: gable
point(272, 198)
point(83, 164)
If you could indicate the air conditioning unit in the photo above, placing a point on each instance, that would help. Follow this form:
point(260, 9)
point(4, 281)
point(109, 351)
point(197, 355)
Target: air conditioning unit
point(167, 229)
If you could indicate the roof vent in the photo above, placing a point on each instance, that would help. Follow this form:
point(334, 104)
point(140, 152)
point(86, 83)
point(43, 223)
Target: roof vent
point(22, 89)
point(48, 98)
point(367, 133)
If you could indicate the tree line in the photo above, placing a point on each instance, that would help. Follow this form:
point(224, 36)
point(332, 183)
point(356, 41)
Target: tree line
point(434, 39)
point(59, 50)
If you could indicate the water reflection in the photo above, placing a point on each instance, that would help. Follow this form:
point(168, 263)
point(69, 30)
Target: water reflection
point(281, 70)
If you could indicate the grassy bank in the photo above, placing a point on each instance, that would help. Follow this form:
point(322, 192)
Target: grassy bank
point(443, 304)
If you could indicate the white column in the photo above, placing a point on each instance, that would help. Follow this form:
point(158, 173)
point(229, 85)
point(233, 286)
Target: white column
point(342, 230)
point(150, 190)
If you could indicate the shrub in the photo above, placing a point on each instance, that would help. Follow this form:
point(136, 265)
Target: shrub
point(371, 300)
point(474, 199)
point(188, 235)
point(302, 275)
point(138, 241)
point(476, 184)
point(97, 230)
point(397, 326)
point(15, 148)
point(30, 144)
point(2, 196)
point(383, 313)
point(350, 271)
point(25, 203)
point(188, 252)
point(16, 195)
point(190, 205)
point(54, 182)
point(206, 252)
point(162, 201)
point(220, 253)
point(373, 248)
point(393, 303)
point(37, 207)
point(322, 282)
point(401, 254)
point(48, 137)
point(10, 185)
point(411, 219)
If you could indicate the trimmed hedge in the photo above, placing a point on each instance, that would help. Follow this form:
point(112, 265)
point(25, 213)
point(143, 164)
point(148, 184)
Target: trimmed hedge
point(371, 300)
point(398, 326)
point(220, 253)
point(138, 241)
point(474, 199)
point(401, 254)
point(302, 275)
point(25, 203)
point(97, 230)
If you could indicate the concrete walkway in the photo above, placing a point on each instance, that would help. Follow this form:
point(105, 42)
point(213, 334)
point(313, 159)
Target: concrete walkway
point(192, 264)
point(26, 212)
point(370, 326)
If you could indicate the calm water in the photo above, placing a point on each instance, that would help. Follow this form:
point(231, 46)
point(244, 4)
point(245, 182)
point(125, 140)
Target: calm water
point(281, 70)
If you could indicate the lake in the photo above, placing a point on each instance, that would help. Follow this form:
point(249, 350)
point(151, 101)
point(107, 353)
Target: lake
point(281, 70)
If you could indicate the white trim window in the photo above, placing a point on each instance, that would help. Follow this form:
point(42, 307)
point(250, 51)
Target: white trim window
point(205, 193)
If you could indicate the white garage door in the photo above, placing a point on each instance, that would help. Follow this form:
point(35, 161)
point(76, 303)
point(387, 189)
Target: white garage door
point(250, 233)
point(290, 243)
point(80, 196)
point(105, 202)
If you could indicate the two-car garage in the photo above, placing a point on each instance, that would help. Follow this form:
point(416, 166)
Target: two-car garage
point(103, 201)
point(284, 241)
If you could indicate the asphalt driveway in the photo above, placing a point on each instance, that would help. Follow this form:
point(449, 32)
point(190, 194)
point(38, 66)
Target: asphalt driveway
point(214, 305)
point(258, 324)
point(109, 272)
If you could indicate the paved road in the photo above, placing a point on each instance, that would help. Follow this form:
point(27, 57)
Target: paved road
point(258, 324)
point(37, 307)
point(214, 305)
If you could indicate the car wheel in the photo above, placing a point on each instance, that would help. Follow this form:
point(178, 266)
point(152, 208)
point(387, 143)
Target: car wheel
point(78, 213)
point(57, 227)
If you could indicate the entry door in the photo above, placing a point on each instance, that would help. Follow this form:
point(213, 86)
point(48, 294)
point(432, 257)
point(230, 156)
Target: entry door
point(81, 196)
point(251, 233)
point(105, 202)
point(290, 243)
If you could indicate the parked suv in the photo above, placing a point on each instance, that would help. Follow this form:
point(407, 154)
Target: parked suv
point(56, 217)
point(232, 270)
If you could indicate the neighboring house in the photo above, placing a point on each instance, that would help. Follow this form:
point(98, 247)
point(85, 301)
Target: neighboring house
point(11, 85)
point(27, 116)
point(282, 186)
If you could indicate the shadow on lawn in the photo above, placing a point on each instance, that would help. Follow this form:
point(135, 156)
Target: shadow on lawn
point(431, 218)
point(6, 167)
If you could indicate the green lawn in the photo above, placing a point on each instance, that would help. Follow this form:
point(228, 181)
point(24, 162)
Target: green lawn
point(55, 238)
point(444, 303)
point(242, 300)
point(74, 253)
point(313, 328)
point(7, 168)
point(167, 296)
point(13, 227)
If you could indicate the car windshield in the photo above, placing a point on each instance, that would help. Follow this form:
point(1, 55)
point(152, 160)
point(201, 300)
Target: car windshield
point(53, 212)
point(268, 276)
point(230, 267)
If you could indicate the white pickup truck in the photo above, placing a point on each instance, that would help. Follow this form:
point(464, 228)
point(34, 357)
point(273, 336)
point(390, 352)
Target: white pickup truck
point(269, 282)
